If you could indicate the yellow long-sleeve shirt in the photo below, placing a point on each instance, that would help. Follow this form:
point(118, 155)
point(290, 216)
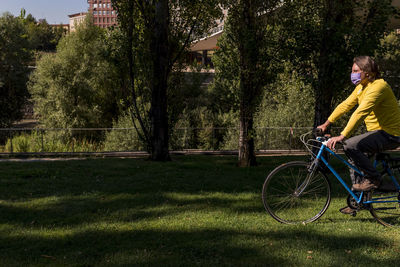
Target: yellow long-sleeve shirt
point(377, 106)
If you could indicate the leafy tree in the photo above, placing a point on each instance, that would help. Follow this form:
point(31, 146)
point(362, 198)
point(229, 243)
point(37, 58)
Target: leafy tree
point(323, 36)
point(14, 59)
point(121, 139)
point(289, 104)
point(388, 58)
point(157, 34)
point(46, 36)
point(76, 88)
point(247, 46)
point(42, 36)
point(225, 87)
point(194, 111)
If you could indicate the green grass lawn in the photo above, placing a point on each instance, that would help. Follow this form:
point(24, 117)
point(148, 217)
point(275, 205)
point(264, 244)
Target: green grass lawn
point(194, 210)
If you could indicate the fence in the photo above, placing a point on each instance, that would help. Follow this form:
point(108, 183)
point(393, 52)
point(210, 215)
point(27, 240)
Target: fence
point(33, 140)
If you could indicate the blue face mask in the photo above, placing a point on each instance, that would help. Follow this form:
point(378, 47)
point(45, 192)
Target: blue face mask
point(356, 78)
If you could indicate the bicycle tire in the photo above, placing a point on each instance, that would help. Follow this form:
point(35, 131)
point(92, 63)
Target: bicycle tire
point(386, 213)
point(280, 199)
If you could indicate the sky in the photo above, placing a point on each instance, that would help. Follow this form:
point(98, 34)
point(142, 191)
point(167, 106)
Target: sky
point(54, 11)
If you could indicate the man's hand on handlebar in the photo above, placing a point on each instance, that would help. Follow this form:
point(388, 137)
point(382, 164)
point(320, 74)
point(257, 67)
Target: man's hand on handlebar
point(324, 127)
point(332, 141)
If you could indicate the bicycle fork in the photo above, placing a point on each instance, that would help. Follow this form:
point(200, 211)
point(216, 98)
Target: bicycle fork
point(311, 170)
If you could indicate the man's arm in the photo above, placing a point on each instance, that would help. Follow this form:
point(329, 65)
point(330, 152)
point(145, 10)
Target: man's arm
point(341, 109)
point(345, 106)
point(370, 100)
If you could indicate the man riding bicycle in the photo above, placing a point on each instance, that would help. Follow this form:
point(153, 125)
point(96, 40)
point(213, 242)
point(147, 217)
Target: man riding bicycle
point(379, 109)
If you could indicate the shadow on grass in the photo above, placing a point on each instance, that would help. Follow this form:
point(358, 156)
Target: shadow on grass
point(50, 214)
point(77, 210)
point(198, 247)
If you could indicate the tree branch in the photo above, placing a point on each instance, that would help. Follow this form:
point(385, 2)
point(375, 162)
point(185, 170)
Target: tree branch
point(184, 44)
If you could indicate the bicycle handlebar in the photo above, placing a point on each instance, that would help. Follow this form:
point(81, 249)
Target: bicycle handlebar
point(318, 132)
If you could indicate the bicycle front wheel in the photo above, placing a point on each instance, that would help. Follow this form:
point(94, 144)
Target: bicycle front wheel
point(292, 195)
point(386, 209)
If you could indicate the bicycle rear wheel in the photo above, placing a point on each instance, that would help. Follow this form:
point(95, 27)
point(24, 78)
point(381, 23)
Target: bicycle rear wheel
point(387, 211)
point(291, 196)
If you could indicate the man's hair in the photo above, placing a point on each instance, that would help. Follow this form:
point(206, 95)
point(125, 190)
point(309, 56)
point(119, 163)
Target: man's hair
point(369, 66)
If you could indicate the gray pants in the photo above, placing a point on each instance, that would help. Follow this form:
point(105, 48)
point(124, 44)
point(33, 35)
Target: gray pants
point(359, 149)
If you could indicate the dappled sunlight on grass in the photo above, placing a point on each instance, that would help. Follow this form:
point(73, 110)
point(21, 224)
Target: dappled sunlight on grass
point(191, 211)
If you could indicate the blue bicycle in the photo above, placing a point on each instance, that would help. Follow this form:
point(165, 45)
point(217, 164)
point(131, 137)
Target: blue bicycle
point(299, 192)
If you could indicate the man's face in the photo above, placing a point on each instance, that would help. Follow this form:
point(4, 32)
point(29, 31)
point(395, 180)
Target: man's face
point(356, 69)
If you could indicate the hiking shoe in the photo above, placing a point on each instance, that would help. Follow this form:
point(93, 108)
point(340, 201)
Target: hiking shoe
point(348, 210)
point(366, 185)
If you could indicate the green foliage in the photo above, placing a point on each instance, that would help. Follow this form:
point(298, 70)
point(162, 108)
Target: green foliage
point(115, 54)
point(188, 102)
point(225, 87)
point(18, 36)
point(38, 141)
point(289, 104)
point(207, 131)
point(76, 88)
point(388, 58)
point(124, 137)
point(322, 37)
point(199, 122)
point(42, 36)
point(20, 143)
point(14, 59)
point(247, 58)
point(157, 37)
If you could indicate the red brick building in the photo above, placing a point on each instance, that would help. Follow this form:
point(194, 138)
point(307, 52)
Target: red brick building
point(103, 14)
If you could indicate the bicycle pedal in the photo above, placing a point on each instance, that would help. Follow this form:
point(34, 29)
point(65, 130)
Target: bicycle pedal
point(353, 214)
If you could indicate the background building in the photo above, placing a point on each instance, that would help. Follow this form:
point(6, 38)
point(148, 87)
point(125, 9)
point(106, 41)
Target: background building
point(203, 48)
point(103, 14)
point(64, 26)
point(75, 20)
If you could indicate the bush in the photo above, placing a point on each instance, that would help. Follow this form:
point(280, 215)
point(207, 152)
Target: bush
point(124, 137)
point(15, 56)
point(38, 141)
point(77, 87)
point(288, 103)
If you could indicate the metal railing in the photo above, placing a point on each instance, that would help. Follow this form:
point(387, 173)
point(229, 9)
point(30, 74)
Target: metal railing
point(100, 140)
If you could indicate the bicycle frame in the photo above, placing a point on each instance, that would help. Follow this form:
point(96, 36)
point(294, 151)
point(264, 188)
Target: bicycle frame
point(359, 198)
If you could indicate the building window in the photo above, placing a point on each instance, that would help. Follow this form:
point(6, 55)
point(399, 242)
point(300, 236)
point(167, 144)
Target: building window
point(108, 12)
point(95, 6)
point(94, 12)
point(108, 5)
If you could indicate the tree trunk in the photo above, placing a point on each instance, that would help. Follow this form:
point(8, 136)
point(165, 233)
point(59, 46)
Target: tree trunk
point(247, 156)
point(248, 87)
point(158, 112)
point(323, 87)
